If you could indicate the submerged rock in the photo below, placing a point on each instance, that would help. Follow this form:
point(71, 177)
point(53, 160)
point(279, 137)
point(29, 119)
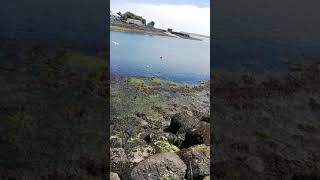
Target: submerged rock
point(160, 166)
point(199, 158)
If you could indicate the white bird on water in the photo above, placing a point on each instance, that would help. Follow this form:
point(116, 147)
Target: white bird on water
point(115, 43)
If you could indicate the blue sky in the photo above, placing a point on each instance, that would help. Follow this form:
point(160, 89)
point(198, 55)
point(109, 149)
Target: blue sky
point(181, 15)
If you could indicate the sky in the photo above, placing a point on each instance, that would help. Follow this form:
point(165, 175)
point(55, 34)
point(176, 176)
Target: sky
point(180, 15)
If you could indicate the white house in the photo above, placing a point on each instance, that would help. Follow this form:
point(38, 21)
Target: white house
point(134, 21)
point(114, 17)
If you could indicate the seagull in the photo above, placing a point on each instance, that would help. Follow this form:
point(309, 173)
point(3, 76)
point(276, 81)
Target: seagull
point(115, 43)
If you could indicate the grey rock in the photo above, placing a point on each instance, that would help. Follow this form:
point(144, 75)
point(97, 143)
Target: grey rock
point(199, 158)
point(140, 153)
point(118, 155)
point(114, 176)
point(160, 166)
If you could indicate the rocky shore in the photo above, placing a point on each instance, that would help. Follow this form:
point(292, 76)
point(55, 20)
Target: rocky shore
point(159, 129)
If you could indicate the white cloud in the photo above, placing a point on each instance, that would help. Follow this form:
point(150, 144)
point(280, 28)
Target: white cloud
point(188, 18)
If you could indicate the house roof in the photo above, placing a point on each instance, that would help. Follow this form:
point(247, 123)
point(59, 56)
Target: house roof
point(114, 14)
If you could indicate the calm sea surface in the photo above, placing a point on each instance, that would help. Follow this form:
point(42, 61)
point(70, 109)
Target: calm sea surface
point(140, 55)
point(261, 34)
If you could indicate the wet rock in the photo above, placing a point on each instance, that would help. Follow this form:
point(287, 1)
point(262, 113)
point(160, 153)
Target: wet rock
point(205, 119)
point(114, 176)
point(118, 155)
point(201, 135)
point(141, 115)
point(181, 123)
point(160, 166)
point(162, 136)
point(199, 158)
point(140, 153)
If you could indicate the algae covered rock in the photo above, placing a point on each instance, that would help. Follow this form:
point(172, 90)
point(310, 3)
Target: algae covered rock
point(160, 166)
point(114, 176)
point(199, 158)
point(165, 146)
point(140, 153)
point(162, 136)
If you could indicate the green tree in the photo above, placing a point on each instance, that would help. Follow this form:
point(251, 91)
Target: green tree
point(131, 15)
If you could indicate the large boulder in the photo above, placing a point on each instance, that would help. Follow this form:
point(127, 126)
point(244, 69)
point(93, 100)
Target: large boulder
point(114, 176)
point(140, 153)
point(198, 157)
point(189, 130)
point(160, 166)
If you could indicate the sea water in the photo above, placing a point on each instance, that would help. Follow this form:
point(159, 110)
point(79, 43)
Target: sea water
point(169, 58)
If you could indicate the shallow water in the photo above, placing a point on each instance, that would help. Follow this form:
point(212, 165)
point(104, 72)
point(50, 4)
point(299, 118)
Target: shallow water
point(261, 34)
point(139, 55)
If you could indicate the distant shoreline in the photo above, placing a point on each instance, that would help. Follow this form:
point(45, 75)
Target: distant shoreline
point(131, 28)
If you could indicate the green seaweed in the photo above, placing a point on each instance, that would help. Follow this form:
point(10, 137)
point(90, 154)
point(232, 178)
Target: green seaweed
point(165, 146)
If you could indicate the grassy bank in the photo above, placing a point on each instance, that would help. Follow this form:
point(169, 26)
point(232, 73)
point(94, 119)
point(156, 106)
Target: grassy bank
point(119, 29)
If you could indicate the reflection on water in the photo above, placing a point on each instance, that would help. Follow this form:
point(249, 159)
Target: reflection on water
point(261, 34)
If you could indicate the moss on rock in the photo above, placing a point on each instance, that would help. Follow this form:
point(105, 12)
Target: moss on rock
point(155, 81)
point(137, 83)
point(165, 146)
